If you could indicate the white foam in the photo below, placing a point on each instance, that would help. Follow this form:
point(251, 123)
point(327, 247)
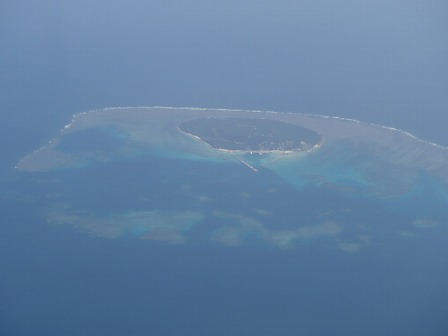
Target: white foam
point(393, 129)
point(76, 116)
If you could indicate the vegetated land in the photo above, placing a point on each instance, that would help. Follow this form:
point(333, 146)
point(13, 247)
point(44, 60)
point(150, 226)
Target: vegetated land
point(251, 134)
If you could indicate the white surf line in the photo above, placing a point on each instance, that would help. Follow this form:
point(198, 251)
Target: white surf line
point(392, 129)
point(245, 163)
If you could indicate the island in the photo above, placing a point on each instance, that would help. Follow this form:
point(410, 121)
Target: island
point(251, 135)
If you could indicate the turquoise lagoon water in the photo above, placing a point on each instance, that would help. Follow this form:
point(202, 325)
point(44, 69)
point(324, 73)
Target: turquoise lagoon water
point(361, 186)
point(144, 225)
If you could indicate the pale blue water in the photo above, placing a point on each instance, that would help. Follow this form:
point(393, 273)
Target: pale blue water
point(381, 62)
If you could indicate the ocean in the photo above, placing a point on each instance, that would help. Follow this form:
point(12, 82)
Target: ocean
point(378, 62)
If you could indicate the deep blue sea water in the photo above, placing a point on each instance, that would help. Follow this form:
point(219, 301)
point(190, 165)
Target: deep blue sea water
point(71, 283)
point(378, 61)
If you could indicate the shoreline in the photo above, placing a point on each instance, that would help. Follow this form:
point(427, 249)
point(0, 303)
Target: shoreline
point(233, 152)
